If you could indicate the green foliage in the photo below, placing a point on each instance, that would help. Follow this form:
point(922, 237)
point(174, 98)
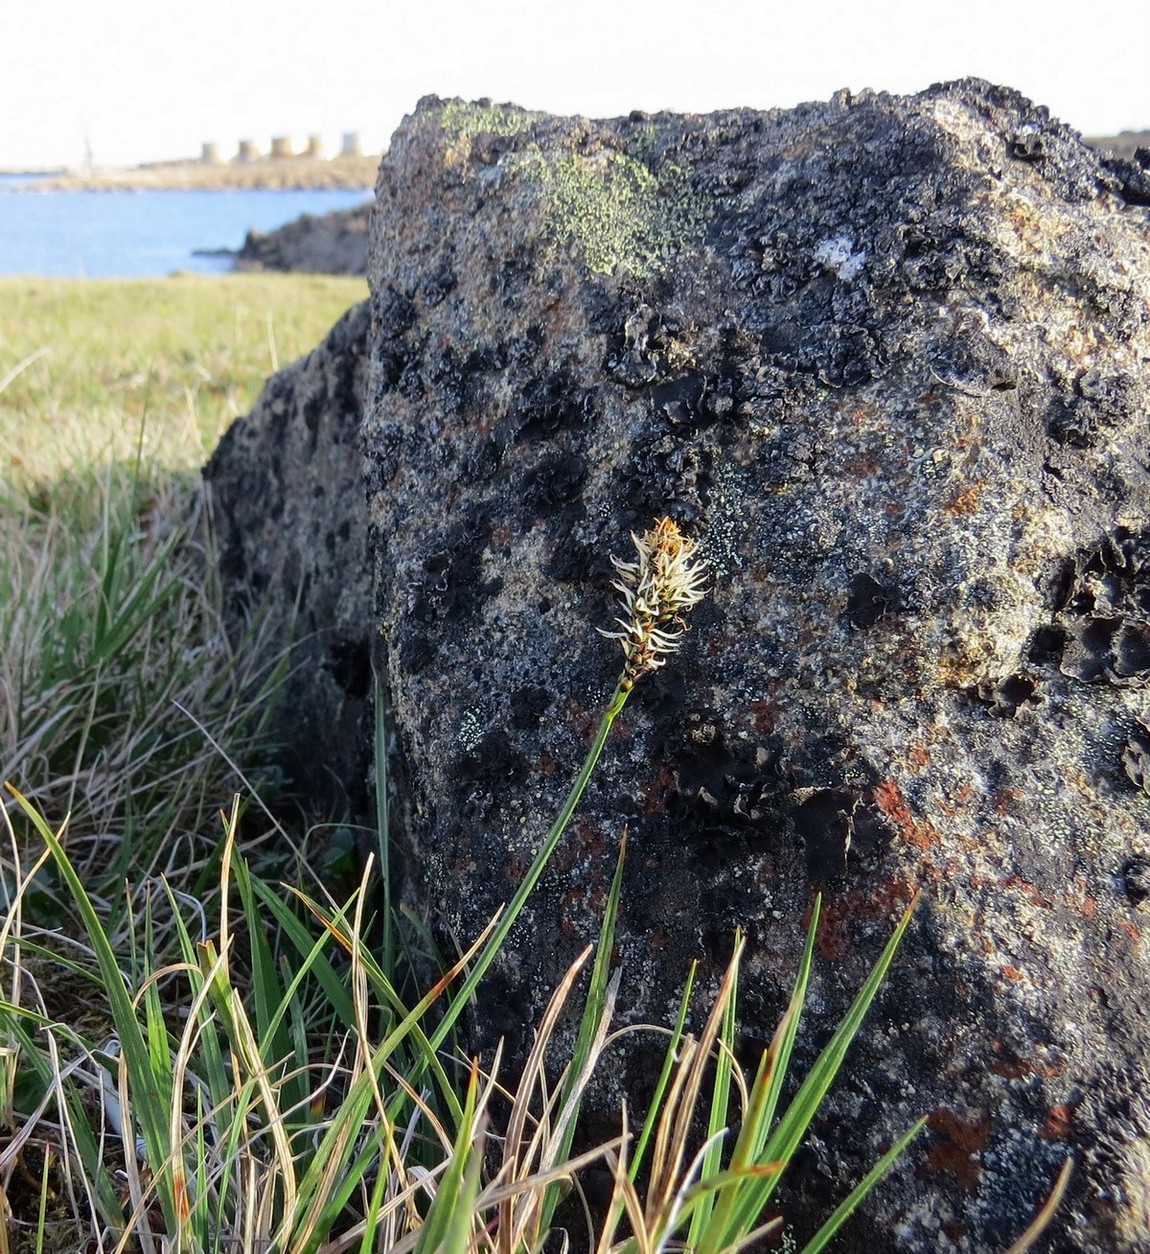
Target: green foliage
point(226, 1058)
point(86, 366)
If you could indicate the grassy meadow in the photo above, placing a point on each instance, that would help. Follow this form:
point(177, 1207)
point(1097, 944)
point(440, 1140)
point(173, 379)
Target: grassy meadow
point(204, 1044)
point(112, 395)
point(84, 365)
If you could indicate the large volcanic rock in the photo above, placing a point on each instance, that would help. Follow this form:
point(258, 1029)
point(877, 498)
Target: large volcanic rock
point(886, 359)
point(291, 535)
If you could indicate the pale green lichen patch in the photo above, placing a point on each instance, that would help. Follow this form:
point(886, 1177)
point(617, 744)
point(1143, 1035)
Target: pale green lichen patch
point(621, 213)
point(463, 119)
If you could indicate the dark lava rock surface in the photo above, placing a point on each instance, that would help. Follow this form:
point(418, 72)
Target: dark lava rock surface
point(886, 359)
point(287, 510)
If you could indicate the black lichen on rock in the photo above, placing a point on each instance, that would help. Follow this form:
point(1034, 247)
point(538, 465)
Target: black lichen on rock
point(824, 818)
point(869, 600)
point(1136, 756)
point(1107, 612)
point(1136, 879)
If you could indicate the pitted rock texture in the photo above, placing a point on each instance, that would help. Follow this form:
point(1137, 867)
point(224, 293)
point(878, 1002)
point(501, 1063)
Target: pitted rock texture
point(885, 358)
point(287, 507)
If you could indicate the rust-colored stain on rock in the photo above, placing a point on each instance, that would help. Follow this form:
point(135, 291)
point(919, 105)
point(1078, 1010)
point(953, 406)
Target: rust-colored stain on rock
point(889, 799)
point(957, 1147)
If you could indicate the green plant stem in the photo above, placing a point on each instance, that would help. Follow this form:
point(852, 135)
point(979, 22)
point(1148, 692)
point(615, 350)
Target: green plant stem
point(542, 858)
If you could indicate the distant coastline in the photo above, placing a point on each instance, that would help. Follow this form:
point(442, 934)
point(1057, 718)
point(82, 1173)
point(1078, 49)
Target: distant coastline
point(350, 173)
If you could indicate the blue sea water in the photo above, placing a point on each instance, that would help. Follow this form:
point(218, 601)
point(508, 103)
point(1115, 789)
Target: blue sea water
point(137, 234)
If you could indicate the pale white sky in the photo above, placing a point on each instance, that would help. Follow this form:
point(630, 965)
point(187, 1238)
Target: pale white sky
point(151, 79)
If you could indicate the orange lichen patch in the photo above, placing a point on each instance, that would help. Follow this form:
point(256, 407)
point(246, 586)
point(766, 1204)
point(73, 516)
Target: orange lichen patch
point(965, 504)
point(889, 799)
point(863, 465)
point(587, 844)
point(656, 791)
point(766, 715)
point(834, 939)
point(586, 722)
point(576, 905)
point(958, 1146)
point(892, 898)
point(1028, 890)
point(515, 868)
point(1078, 897)
point(1058, 1121)
point(1001, 800)
point(569, 904)
point(957, 803)
point(918, 756)
point(1132, 934)
point(1007, 1064)
point(1013, 973)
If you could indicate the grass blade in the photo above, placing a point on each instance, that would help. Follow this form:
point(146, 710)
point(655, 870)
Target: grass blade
point(843, 1211)
point(151, 1085)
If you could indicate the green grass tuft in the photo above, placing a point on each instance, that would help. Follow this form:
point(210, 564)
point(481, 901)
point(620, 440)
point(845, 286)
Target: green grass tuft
point(113, 660)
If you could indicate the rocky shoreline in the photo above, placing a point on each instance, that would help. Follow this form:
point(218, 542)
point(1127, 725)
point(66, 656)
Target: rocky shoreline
point(330, 243)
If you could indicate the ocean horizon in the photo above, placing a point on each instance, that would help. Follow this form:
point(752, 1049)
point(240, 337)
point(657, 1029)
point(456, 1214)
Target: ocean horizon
point(143, 234)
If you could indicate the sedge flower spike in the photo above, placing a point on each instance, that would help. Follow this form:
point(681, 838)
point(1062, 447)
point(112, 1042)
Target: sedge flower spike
point(663, 583)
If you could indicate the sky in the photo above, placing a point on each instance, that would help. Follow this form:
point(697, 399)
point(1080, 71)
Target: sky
point(133, 81)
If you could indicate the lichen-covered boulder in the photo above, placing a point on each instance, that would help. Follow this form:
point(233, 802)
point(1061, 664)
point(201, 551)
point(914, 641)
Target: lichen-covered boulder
point(287, 510)
point(885, 358)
